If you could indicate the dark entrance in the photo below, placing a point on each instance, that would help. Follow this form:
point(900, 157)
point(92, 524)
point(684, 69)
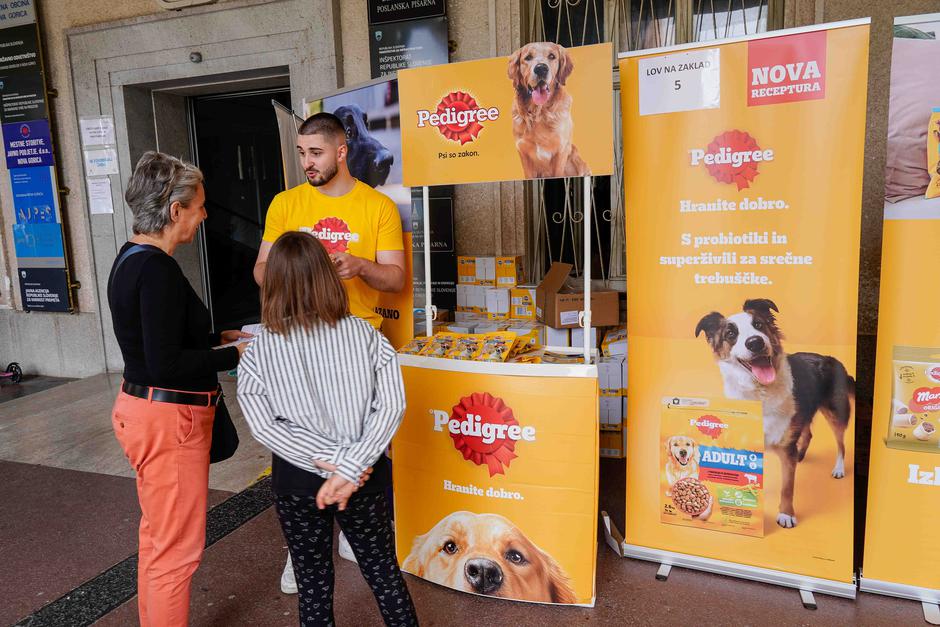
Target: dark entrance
point(236, 145)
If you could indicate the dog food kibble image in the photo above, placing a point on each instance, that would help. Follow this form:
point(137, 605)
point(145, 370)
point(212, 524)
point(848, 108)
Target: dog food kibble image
point(691, 496)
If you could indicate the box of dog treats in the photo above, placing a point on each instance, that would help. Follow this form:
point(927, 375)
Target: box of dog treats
point(712, 470)
point(915, 403)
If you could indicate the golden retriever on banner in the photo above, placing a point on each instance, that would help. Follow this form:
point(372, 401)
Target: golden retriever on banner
point(541, 112)
point(487, 554)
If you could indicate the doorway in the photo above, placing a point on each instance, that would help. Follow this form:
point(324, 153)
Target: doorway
point(236, 145)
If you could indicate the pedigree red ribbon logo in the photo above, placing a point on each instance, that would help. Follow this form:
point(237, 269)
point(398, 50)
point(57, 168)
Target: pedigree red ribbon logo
point(458, 117)
point(484, 430)
point(933, 372)
point(732, 157)
point(709, 425)
point(786, 69)
point(333, 233)
point(925, 399)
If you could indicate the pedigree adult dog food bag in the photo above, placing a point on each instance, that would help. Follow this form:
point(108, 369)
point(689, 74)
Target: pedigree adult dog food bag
point(712, 465)
point(915, 402)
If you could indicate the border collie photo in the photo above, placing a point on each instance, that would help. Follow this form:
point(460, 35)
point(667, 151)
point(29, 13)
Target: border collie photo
point(792, 388)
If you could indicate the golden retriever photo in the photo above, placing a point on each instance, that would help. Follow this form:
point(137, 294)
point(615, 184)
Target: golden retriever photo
point(682, 459)
point(541, 112)
point(487, 554)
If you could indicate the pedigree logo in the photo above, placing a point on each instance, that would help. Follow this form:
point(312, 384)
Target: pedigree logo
point(458, 117)
point(933, 373)
point(731, 157)
point(484, 430)
point(925, 399)
point(333, 233)
point(786, 69)
point(709, 425)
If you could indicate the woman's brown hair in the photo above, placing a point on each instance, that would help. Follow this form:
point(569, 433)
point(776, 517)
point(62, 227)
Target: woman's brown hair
point(301, 287)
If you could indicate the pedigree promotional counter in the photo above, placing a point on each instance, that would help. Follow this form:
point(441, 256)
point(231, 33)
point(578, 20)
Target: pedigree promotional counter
point(496, 463)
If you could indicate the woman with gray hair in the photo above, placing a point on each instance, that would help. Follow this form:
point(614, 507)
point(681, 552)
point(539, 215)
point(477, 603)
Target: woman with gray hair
point(164, 413)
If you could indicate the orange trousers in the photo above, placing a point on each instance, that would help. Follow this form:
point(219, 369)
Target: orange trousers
point(168, 445)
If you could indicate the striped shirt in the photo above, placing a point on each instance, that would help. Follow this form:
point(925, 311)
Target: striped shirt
point(333, 394)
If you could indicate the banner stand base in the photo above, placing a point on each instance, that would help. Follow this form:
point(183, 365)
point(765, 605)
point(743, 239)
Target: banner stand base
point(731, 569)
point(929, 598)
point(612, 535)
point(808, 600)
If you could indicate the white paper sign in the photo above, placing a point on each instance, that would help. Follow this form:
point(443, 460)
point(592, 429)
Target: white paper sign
point(99, 195)
point(97, 131)
point(682, 81)
point(101, 162)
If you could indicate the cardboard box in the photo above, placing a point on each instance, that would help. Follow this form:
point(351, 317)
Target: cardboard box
point(577, 337)
point(522, 302)
point(469, 316)
point(508, 271)
point(557, 337)
point(497, 303)
point(559, 308)
point(613, 444)
point(473, 270)
point(612, 387)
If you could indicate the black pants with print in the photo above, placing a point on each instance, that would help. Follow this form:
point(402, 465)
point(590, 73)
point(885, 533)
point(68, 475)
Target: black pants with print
point(367, 526)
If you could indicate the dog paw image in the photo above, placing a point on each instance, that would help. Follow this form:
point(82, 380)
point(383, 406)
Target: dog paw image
point(786, 520)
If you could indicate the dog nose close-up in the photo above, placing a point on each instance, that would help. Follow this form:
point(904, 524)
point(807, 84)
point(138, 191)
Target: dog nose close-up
point(384, 160)
point(541, 70)
point(485, 576)
point(755, 344)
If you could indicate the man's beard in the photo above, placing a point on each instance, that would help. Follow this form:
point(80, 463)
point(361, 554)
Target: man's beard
point(324, 177)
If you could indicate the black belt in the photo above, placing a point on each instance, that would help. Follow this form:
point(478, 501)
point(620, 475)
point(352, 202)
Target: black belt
point(201, 399)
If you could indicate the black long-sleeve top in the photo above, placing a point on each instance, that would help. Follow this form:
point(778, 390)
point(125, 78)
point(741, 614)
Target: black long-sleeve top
point(162, 327)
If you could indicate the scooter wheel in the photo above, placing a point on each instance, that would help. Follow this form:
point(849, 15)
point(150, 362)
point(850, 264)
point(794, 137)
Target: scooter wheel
point(16, 371)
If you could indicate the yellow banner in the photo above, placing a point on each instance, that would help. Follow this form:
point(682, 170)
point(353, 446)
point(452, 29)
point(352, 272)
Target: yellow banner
point(904, 470)
point(743, 180)
point(496, 484)
point(543, 112)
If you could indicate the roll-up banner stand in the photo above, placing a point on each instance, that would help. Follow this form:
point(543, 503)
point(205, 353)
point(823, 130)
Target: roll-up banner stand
point(743, 179)
point(901, 553)
point(495, 482)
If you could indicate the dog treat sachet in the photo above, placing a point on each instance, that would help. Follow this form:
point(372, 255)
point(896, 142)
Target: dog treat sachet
point(712, 465)
point(915, 403)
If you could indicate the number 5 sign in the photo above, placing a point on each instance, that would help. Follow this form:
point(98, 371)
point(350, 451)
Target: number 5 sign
point(683, 81)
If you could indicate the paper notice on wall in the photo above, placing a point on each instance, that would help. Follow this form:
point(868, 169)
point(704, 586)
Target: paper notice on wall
point(97, 130)
point(99, 196)
point(101, 162)
point(683, 81)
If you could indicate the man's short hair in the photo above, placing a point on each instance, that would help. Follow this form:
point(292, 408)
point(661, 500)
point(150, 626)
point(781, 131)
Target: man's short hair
point(323, 123)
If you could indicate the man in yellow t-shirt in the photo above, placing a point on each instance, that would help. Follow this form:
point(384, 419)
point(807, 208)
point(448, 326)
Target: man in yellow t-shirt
point(359, 226)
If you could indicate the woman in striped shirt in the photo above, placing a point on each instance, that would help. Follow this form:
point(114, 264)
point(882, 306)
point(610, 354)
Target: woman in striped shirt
point(323, 390)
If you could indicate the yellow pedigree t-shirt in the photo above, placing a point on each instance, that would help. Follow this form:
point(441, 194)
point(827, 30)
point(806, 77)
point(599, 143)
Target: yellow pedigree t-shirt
point(360, 223)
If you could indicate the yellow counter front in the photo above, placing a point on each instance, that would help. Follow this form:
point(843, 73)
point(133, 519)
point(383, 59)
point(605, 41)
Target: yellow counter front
point(496, 474)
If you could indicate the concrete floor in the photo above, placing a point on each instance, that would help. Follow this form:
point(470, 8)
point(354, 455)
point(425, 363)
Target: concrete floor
point(70, 512)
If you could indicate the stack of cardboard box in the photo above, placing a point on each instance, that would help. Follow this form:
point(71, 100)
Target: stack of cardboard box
point(612, 381)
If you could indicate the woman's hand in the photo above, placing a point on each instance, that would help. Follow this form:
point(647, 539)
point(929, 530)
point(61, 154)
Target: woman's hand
point(335, 490)
point(234, 335)
point(327, 466)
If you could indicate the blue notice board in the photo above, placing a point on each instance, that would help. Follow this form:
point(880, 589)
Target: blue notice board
point(35, 198)
point(27, 144)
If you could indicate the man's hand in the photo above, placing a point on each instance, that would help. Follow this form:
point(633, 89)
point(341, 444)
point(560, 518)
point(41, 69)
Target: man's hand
point(335, 490)
point(348, 266)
